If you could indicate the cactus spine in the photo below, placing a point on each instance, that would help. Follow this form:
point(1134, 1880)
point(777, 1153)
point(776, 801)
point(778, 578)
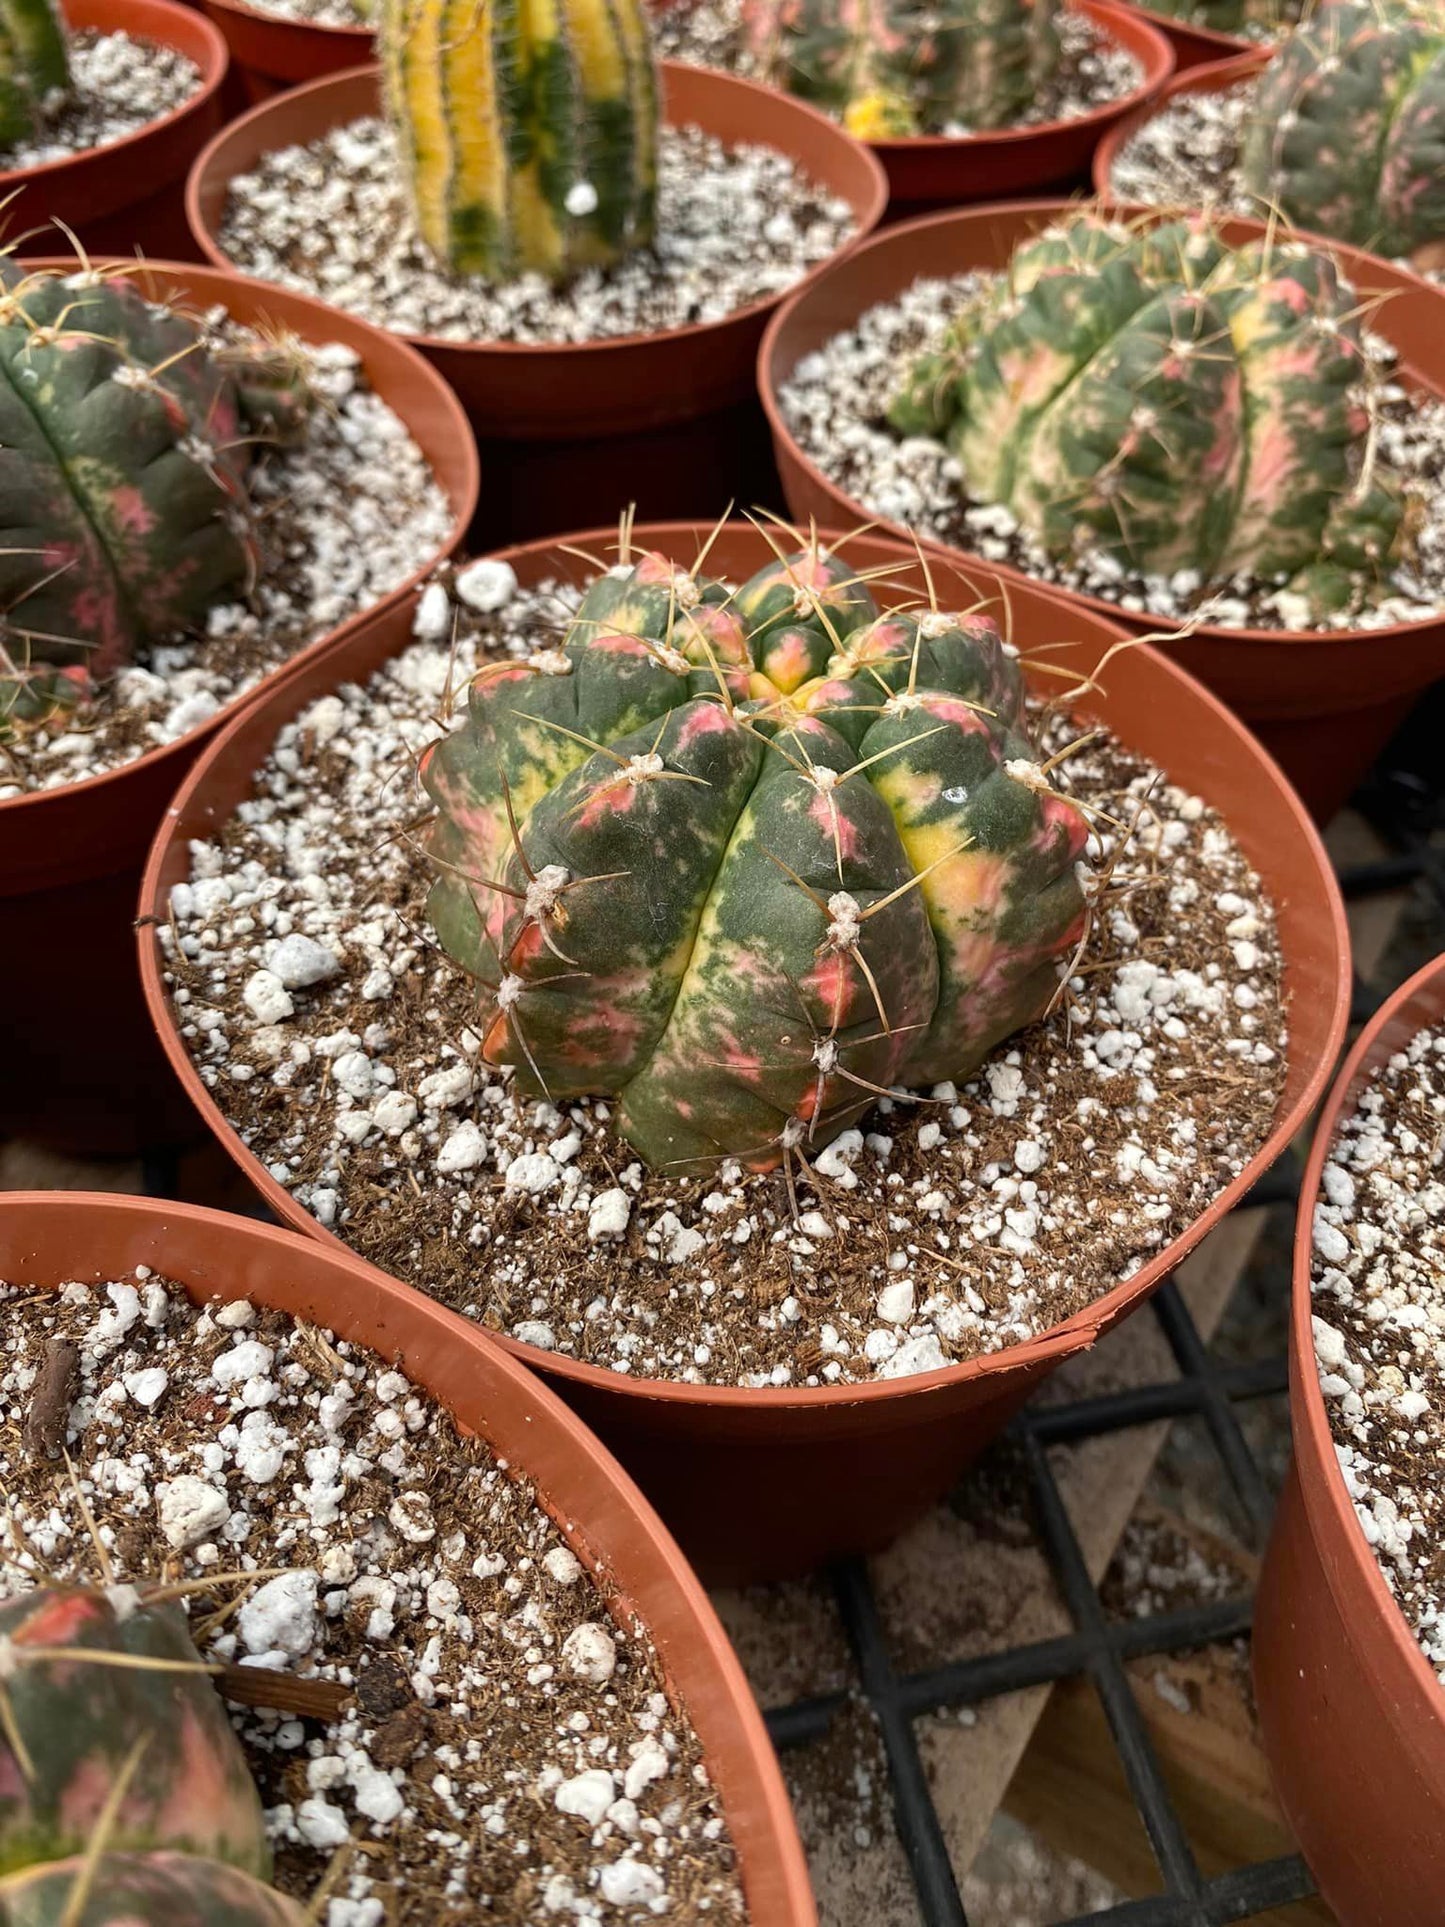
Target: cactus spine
point(1346, 133)
point(528, 130)
point(900, 67)
point(1244, 19)
point(1177, 404)
point(33, 65)
point(741, 862)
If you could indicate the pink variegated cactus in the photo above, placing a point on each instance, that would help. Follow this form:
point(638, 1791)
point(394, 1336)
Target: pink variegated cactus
point(742, 861)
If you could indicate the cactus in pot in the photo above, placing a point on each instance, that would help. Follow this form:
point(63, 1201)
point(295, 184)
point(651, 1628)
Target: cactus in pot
point(744, 862)
point(1172, 402)
point(1346, 133)
point(1241, 19)
point(893, 68)
point(528, 132)
point(33, 65)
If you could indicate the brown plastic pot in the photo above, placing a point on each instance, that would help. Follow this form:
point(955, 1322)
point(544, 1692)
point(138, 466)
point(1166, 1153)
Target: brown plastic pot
point(1324, 703)
point(1216, 77)
point(927, 171)
point(1195, 46)
point(1352, 1714)
point(273, 51)
point(81, 1067)
point(758, 1484)
point(49, 1239)
point(573, 433)
point(129, 194)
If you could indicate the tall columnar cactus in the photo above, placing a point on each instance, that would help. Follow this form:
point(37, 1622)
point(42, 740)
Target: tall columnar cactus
point(1346, 133)
point(124, 449)
point(124, 1794)
point(1177, 404)
point(899, 67)
point(33, 65)
point(528, 130)
point(743, 862)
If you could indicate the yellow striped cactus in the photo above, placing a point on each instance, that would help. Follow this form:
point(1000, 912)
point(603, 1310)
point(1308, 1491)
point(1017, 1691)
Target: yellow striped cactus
point(528, 130)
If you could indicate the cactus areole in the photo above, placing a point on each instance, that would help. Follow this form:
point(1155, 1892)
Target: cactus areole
point(34, 69)
point(744, 862)
point(1183, 406)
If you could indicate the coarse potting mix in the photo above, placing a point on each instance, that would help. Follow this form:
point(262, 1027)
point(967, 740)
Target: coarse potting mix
point(347, 1050)
point(462, 1728)
point(1378, 1290)
point(119, 83)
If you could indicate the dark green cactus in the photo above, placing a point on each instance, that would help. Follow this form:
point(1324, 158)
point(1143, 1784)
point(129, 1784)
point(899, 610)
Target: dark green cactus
point(1241, 19)
point(741, 862)
point(34, 695)
point(1183, 406)
point(142, 1890)
point(33, 65)
point(1346, 132)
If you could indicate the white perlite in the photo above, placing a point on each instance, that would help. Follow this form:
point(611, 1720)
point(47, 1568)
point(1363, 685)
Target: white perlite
point(118, 85)
point(735, 226)
point(1378, 1283)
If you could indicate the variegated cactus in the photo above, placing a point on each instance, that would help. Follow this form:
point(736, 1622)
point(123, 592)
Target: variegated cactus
point(528, 132)
point(1241, 19)
point(1346, 132)
point(33, 65)
point(124, 449)
point(741, 862)
point(902, 67)
point(34, 695)
point(1180, 405)
point(142, 1890)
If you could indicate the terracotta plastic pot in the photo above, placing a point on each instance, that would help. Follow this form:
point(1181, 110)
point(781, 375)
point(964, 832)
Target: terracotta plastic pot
point(571, 434)
point(761, 1483)
point(1217, 77)
point(50, 1239)
point(129, 194)
point(273, 51)
point(1352, 1714)
point(932, 170)
point(1324, 703)
point(81, 1067)
point(1194, 46)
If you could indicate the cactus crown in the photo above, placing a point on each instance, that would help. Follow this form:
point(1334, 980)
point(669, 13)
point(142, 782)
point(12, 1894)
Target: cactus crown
point(1346, 133)
point(1175, 403)
point(33, 65)
point(125, 442)
point(528, 130)
point(1244, 19)
point(745, 860)
point(901, 67)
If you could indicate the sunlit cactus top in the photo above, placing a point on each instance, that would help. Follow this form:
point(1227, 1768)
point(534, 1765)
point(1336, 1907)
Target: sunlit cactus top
point(1151, 393)
point(744, 861)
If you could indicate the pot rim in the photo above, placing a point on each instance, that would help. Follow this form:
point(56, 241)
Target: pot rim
point(700, 332)
point(1211, 77)
point(788, 1877)
point(264, 17)
point(1043, 211)
point(1419, 1001)
point(1075, 1333)
point(442, 397)
point(214, 66)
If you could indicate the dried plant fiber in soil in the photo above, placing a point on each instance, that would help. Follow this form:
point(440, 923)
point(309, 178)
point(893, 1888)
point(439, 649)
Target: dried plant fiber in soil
point(118, 85)
point(340, 1044)
point(504, 1749)
point(1378, 1283)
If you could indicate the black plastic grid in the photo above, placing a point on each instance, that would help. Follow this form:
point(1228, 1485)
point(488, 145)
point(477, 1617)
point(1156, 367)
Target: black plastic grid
point(1405, 804)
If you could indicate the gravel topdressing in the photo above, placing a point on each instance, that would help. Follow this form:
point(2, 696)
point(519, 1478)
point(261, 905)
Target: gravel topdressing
point(836, 402)
point(735, 226)
point(1092, 72)
point(343, 519)
point(500, 1747)
point(118, 85)
point(1187, 153)
point(317, 13)
point(338, 1041)
point(1378, 1284)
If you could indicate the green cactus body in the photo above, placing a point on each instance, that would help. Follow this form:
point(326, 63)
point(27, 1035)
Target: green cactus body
point(739, 863)
point(78, 1720)
point(124, 449)
point(142, 1890)
point(1172, 402)
point(528, 130)
point(899, 67)
point(1244, 19)
point(1346, 133)
point(34, 695)
point(33, 65)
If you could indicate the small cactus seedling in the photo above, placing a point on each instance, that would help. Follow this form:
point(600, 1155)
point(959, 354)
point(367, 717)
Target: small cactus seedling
point(1155, 395)
point(745, 861)
point(33, 65)
point(893, 68)
point(1346, 132)
point(35, 695)
point(528, 130)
